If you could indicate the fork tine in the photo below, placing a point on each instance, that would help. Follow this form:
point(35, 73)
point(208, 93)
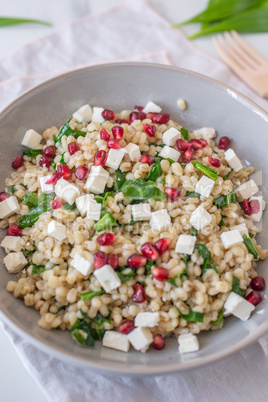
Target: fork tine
point(219, 44)
point(249, 60)
point(248, 48)
point(233, 53)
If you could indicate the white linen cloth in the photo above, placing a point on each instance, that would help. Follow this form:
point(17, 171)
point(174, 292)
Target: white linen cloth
point(135, 32)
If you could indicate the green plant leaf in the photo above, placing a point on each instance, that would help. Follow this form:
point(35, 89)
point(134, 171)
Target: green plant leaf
point(250, 246)
point(224, 200)
point(192, 194)
point(30, 199)
point(142, 190)
point(206, 255)
point(125, 274)
point(236, 287)
point(91, 294)
point(107, 221)
point(193, 316)
point(185, 134)
point(28, 220)
point(155, 172)
point(218, 322)
point(7, 21)
point(67, 130)
point(211, 173)
point(32, 153)
point(11, 189)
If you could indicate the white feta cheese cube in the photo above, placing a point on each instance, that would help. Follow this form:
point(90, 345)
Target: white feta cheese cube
point(97, 180)
point(233, 160)
point(204, 186)
point(246, 190)
point(83, 262)
point(31, 139)
point(200, 218)
point(151, 107)
point(242, 229)
point(67, 191)
point(140, 338)
point(57, 230)
point(97, 115)
point(238, 306)
point(12, 243)
point(115, 340)
point(185, 244)
point(188, 343)
point(168, 152)
point(160, 220)
point(231, 238)
point(84, 113)
point(257, 216)
point(15, 262)
point(171, 136)
point(114, 158)
point(8, 207)
point(133, 151)
point(141, 212)
point(147, 319)
point(94, 211)
point(206, 132)
point(108, 279)
point(123, 150)
point(46, 188)
point(82, 203)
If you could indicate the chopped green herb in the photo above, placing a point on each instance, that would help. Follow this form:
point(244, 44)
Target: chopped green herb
point(251, 235)
point(85, 334)
point(193, 316)
point(186, 258)
point(91, 294)
point(30, 199)
point(157, 145)
point(192, 194)
point(163, 181)
point(32, 153)
point(236, 287)
point(206, 255)
point(173, 280)
point(29, 252)
point(148, 267)
point(250, 246)
point(21, 184)
point(155, 172)
point(142, 190)
point(120, 179)
point(99, 320)
point(225, 200)
point(70, 207)
point(227, 175)
point(62, 162)
point(37, 269)
point(170, 160)
point(67, 130)
point(213, 174)
point(185, 134)
point(11, 189)
point(218, 322)
point(54, 165)
point(29, 219)
point(107, 221)
point(222, 223)
point(125, 273)
point(194, 232)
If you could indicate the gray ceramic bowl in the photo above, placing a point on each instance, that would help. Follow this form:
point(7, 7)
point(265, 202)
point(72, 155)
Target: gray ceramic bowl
point(121, 86)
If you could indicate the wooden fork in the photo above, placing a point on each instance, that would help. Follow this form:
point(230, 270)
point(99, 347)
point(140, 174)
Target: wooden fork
point(248, 64)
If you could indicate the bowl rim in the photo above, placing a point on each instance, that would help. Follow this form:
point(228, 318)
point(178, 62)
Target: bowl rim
point(111, 367)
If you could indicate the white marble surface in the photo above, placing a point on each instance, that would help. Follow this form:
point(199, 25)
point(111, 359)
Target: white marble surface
point(15, 382)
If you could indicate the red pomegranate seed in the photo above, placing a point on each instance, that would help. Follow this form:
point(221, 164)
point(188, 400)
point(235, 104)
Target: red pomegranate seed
point(158, 342)
point(73, 147)
point(254, 297)
point(203, 142)
point(150, 115)
point(45, 161)
point(188, 153)
point(159, 273)
point(136, 261)
point(246, 207)
point(54, 178)
point(100, 158)
point(14, 230)
point(257, 283)
point(150, 129)
point(147, 159)
point(81, 172)
point(224, 143)
point(214, 162)
point(136, 116)
point(100, 259)
point(118, 132)
point(172, 193)
point(104, 134)
point(121, 121)
point(149, 251)
point(182, 145)
point(108, 114)
point(113, 261)
point(50, 151)
point(4, 196)
point(139, 294)
point(254, 206)
point(196, 144)
point(17, 163)
point(126, 327)
point(65, 171)
point(56, 204)
point(161, 118)
point(139, 108)
point(163, 245)
point(106, 239)
point(113, 144)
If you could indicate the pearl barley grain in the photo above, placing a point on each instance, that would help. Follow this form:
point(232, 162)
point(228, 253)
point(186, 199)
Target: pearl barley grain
point(181, 103)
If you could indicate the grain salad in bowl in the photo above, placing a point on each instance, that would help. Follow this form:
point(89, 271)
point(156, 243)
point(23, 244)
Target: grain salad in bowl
point(126, 228)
